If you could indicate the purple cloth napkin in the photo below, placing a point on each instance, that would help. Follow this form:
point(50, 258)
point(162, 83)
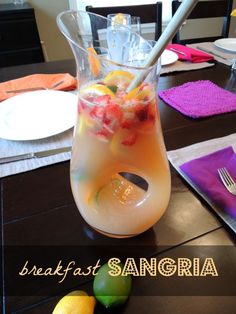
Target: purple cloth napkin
point(203, 173)
point(199, 99)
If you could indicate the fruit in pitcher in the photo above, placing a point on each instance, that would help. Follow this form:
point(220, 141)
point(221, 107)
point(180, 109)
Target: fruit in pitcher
point(118, 78)
point(121, 134)
point(94, 63)
point(113, 108)
point(96, 90)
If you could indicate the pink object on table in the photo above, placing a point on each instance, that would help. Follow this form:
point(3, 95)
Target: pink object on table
point(190, 54)
point(199, 99)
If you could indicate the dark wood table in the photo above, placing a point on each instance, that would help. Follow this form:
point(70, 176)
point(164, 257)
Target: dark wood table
point(37, 208)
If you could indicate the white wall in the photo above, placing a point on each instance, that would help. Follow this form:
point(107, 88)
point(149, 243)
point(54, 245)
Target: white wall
point(46, 12)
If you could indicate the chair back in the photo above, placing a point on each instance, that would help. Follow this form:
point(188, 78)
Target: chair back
point(148, 13)
point(206, 9)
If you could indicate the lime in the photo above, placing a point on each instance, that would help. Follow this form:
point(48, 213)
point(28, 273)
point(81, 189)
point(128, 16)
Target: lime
point(76, 302)
point(111, 290)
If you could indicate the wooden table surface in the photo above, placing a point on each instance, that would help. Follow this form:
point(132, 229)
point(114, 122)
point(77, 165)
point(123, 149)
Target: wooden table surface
point(37, 207)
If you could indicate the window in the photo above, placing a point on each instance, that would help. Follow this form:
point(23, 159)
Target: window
point(81, 4)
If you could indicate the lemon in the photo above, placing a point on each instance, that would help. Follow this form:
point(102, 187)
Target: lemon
point(97, 90)
point(233, 13)
point(110, 290)
point(82, 125)
point(115, 143)
point(119, 19)
point(118, 78)
point(76, 302)
point(145, 94)
point(132, 93)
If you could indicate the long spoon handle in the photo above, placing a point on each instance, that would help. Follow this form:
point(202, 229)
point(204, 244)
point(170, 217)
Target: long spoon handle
point(180, 16)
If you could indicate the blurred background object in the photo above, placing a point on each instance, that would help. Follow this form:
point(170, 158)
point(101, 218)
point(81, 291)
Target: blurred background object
point(57, 47)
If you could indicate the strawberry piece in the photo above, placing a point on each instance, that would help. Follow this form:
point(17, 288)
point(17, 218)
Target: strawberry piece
point(107, 128)
point(130, 140)
point(103, 134)
point(97, 112)
point(112, 112)
point(103, 100)
point(128, 120)
point(126, 124)
point(146, 126)
point(152, 111)
point(141, 112)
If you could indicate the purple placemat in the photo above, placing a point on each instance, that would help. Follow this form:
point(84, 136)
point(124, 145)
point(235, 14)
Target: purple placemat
point(203, 173)
point(199, 99)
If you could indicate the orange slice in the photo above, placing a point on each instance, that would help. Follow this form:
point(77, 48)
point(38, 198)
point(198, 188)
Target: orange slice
point(137, 94)
point(118, 78)
point(145, 95)
point(97, 90)
point(95, 65)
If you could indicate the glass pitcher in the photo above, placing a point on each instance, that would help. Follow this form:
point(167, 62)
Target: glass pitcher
point(118, 133)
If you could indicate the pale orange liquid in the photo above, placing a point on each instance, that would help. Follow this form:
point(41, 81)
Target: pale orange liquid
point(108, 202)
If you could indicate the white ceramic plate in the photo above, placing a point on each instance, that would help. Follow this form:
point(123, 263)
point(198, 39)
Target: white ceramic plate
point(38, 114)
point(168, 57)
point(228, 44)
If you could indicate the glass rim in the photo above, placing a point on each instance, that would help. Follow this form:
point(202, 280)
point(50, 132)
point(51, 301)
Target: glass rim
point(71, 12)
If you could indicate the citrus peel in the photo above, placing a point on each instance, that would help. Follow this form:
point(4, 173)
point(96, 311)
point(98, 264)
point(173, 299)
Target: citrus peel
point(118, 78)
point(97, 89)
point(94, 63)
point(233, 13)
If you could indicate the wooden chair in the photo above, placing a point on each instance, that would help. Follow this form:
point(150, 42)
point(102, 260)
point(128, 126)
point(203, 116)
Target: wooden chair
point(206, 9)
point(149, 13)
